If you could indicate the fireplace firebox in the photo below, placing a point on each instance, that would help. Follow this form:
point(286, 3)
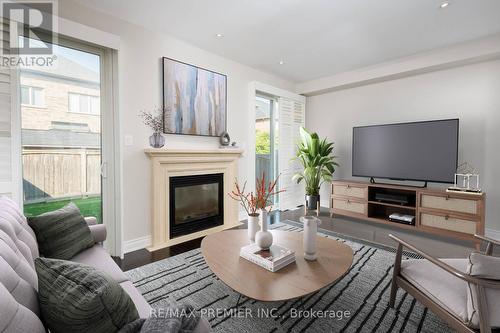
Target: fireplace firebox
point(196, 203)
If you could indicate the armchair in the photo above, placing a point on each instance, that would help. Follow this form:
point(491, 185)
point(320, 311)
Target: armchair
point(463, 292)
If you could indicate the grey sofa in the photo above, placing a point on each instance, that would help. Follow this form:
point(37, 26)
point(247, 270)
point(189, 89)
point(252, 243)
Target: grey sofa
point(19, 310)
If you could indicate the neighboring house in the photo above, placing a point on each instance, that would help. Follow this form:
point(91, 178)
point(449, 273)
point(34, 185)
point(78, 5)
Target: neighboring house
point(61, 128)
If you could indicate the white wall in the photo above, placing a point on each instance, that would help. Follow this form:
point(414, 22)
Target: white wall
point(140, 88)
point(470, 93)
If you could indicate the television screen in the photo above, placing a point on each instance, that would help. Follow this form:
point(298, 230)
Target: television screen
point(420, 151)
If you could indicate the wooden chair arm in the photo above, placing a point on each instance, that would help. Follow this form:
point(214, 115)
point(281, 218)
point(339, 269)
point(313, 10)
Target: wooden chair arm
point(489, 243)
point(453, 271)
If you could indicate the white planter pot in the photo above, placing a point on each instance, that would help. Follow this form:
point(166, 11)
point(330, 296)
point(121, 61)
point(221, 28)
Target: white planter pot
point(263, 238)
point(310, 231)
point(252, 226)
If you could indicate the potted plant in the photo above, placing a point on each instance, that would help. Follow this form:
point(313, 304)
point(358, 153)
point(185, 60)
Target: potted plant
point(154, 120)
point(319, 164)
point(255, 202)
point(249, 203)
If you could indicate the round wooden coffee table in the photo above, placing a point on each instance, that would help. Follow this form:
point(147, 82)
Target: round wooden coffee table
point(222, 254)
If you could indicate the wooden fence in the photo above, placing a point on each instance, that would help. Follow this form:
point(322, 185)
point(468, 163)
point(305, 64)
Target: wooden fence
point(59, 173)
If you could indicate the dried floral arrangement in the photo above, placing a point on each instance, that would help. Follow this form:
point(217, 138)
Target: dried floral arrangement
point(251, 201)
point(153, 119)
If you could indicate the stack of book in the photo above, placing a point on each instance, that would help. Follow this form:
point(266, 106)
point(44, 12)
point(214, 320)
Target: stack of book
point(273, 259)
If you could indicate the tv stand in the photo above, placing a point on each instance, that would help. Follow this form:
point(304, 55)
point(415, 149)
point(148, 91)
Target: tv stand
point(372, 181)
point(455, 215)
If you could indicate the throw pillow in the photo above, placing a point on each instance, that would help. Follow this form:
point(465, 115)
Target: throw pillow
point(486, 267)
point(63, 233)
point(77, 298)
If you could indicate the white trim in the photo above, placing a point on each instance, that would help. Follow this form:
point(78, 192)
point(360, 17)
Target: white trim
point(136, 244)
point(16, 143)
point(492, 233)
point(483, 49)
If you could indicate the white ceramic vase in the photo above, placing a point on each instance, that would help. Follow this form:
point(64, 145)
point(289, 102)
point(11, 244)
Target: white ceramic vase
point(252, 226)
point(263, 238)
point(310, 231)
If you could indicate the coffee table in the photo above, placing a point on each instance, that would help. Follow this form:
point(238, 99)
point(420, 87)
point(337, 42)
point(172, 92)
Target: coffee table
point(222, 254)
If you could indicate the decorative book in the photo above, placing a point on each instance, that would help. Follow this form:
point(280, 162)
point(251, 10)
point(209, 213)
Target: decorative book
point(273, 259)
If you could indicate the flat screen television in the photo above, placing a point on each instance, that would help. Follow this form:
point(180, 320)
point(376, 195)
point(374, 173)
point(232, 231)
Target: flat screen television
point(419, 151)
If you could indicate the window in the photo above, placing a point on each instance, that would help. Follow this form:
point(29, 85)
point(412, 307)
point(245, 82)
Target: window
point(86, 104)
point(32, 96)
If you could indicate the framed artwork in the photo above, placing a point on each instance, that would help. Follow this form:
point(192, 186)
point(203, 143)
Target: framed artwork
point(194, 100)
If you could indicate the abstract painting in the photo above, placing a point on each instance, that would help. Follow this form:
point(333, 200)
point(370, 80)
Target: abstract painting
point(194, 100)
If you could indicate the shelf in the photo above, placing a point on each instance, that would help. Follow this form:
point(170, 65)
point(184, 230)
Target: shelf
point(391, 205)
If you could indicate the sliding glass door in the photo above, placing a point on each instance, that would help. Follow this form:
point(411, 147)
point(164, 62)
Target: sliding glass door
point(61, 118)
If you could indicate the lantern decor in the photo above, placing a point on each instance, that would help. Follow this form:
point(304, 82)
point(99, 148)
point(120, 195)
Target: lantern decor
point(466, 179)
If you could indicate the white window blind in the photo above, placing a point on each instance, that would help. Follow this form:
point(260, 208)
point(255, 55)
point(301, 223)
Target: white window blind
point(5, 123)
point(291, 118)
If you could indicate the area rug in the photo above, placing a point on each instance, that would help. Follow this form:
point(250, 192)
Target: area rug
point(356, 303)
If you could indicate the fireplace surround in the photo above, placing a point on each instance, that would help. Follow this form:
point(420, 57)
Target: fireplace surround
point(167, 164)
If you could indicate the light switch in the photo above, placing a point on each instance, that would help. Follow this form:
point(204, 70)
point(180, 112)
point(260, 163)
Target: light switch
point(129, 140)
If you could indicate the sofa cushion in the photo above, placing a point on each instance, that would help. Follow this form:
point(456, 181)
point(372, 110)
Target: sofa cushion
point(14, 317)
point(442, 287)
point(62, 233)
point(487, 267)
point(78, 298)
point(97, 257)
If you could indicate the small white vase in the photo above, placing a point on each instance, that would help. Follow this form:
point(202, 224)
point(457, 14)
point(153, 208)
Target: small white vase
point(252, 226)
point(310, 231)
point(263, 238)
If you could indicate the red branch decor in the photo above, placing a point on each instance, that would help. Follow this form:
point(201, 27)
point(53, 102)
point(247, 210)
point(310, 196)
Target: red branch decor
point(252, 202)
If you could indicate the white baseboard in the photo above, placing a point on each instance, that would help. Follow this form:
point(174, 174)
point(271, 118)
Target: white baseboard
point(492, 233)
point(136, 244)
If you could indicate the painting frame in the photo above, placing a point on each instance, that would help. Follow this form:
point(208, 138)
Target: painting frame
point(167, 109)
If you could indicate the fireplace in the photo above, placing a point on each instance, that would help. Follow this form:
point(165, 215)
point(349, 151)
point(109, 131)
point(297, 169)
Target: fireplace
point(196, 203)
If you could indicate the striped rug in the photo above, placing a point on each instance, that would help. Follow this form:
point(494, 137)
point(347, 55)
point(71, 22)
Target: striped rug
point(363, 292)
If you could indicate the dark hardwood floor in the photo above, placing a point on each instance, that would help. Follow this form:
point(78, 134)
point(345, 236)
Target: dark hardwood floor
point(441, 247)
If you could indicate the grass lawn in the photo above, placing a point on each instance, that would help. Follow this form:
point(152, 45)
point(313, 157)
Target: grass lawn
point(88, 206)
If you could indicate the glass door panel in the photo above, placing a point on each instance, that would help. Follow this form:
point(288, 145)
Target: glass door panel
point(61, 133)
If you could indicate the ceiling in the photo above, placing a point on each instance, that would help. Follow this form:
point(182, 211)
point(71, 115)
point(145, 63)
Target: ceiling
point(314, 38)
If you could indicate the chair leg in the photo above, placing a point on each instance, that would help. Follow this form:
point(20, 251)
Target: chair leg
point(394, 290)
point(395, 274)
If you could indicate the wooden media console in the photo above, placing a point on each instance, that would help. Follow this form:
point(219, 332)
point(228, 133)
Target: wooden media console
point(457, 215)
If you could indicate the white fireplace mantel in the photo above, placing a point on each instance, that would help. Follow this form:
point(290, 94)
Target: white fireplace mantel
point(168, 163)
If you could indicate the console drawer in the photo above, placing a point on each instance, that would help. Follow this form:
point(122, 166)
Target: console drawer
point(448, 223)
point(449, 203)
point(353, 191)
point(349, 205)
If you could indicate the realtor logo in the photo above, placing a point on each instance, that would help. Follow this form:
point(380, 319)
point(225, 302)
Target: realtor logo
point(27, 22)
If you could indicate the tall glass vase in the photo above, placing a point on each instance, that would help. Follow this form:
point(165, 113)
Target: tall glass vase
point(263, 238)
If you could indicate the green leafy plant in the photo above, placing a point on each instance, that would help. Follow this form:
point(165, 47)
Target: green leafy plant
point(316, 157)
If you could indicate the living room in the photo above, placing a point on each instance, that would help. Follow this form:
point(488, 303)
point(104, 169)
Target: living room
point(149, 151)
